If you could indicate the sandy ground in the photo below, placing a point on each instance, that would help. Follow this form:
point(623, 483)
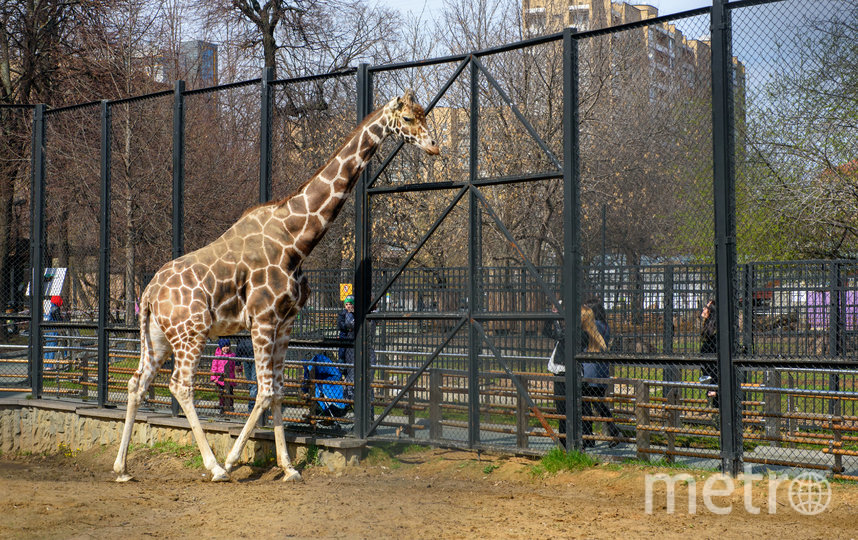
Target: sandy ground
point(428, 493)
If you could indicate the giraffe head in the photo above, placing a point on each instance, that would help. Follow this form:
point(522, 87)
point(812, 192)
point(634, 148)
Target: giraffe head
point(408, 119)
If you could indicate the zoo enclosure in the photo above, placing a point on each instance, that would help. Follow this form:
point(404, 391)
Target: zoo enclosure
point(785, 369)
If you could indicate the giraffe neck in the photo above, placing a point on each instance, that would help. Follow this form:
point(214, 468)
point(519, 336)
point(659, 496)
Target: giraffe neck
point(315, 205)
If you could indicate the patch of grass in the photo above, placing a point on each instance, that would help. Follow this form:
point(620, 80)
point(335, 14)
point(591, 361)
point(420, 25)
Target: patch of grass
point(310, 458)
point(195, 462)
point(170, 447)
point(412, 449)
point(265, 461)
point(664, 464)
point(557, 460)
point(388, 453)
point(67, 451)
point(189, 454)
point(488, 469)
point(383, 454)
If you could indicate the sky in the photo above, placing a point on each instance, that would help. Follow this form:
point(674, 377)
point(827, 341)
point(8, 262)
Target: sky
point(665, 7)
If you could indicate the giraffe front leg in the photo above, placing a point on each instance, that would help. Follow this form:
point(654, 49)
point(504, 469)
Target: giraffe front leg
point(185, 396)
point(290, 474)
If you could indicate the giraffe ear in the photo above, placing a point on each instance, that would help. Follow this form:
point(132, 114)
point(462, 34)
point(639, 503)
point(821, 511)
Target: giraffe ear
point(398, 103)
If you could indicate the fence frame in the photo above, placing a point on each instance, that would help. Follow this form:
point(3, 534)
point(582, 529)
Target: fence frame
point(726, 269)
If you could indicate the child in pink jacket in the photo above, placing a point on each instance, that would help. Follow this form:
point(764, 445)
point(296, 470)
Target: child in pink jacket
point(223, 367)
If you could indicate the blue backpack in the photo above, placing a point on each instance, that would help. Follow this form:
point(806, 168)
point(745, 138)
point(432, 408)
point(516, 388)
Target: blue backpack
point(317, 372)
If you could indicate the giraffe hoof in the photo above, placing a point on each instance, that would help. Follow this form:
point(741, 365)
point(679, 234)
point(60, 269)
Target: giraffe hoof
point(291, 475)
point(220, 475)
point(124, 478)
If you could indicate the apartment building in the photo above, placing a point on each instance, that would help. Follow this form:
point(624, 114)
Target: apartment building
point(195, 62)
point(674, 60)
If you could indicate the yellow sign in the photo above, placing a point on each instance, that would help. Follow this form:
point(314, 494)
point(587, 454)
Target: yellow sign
point(345, 290)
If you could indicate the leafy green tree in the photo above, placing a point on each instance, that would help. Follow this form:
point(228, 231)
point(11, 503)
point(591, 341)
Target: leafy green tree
point(800, 197)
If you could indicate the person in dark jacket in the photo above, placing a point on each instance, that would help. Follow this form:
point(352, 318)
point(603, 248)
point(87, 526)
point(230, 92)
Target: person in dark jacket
point(593, 338)
point(346, 327)
point(596, 370)
point(346, 355)
point(709, 345)
point(553, 329)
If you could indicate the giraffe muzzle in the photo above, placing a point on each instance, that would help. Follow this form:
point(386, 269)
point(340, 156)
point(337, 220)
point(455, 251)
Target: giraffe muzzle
point(431, 148)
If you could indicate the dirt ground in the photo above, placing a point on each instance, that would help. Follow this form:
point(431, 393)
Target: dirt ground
point(428, 493)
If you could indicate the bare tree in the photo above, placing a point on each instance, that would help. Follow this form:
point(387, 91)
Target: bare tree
point(39, 48)
point(301, 37)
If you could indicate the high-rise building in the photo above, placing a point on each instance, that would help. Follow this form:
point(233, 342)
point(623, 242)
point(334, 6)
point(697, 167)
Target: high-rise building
point(198, 63)
point(675, 61)
point(540, 16)
point(195, 63)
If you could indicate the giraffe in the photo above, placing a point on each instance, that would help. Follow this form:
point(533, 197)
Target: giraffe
point(251, 278)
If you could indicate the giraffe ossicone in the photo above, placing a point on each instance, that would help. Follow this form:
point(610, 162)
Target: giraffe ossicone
point(250, 278)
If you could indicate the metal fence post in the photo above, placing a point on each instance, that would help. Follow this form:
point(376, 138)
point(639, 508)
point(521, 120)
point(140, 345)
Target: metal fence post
point(522, 416)
point(835, 321)
point(667, 325)
point(671, 371)
point(178, 185)
point(474, 262)
point(104, 255)
point(748, 311)
point(363, 270)
point(265, 135)
point(723, 126)
point(37, 248)
point(836, 328)
point(571, 271)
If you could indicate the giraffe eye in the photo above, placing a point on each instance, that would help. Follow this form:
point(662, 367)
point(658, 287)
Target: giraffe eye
point(408, 119)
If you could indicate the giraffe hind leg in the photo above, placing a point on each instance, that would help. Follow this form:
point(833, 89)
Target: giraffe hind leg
point(153, 353)
point(181, 385)
point(262, 402)
point(184, 394)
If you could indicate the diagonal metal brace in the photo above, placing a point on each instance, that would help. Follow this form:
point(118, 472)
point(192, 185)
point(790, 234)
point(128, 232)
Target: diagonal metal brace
point(527, 125)
point(420, 244)
point(522, 391)
point(529, 265)
point(416, 375)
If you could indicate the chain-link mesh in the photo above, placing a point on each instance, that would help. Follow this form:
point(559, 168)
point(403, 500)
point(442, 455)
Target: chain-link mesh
point(309, 122)
point(647, 229)
point(14, 246)
point(221, 160)
point(140, 219)
point(795, 324)
point(69, 288)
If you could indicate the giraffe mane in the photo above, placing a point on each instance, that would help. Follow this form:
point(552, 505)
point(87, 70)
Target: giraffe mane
point(281, 202)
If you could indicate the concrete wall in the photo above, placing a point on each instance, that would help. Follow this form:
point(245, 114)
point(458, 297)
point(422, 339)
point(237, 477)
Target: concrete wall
point(43, 426)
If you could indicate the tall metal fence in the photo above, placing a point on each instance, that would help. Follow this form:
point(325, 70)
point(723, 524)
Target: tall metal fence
point(654, 166)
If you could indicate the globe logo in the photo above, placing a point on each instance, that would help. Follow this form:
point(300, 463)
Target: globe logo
point(809, 493)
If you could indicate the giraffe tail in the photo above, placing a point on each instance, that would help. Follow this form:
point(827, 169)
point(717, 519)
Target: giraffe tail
point(145, 338)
